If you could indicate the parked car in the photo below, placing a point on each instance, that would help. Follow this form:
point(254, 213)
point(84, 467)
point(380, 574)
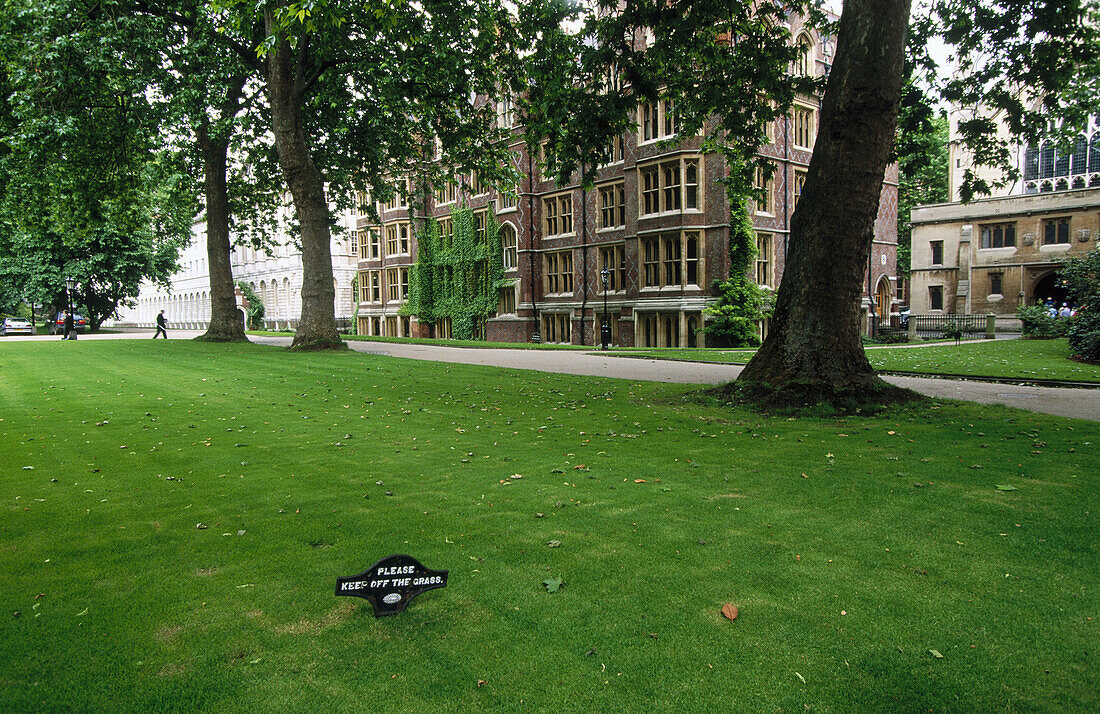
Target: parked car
point(16, 326)
point(57, 327)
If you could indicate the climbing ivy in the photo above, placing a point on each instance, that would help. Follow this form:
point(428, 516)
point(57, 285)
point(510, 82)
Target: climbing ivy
point(255, 307)
point(741, 302)
point(460, 280)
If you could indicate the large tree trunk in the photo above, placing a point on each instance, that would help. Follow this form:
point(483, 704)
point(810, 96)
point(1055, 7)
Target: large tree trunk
point(286, 87)
point(225, 323)
point(813, 351)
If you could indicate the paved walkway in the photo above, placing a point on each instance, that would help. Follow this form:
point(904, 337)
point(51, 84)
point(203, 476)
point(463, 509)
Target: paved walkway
point(1080, 403)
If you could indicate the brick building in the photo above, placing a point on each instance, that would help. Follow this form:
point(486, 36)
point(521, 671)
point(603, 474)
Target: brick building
point(657, 219)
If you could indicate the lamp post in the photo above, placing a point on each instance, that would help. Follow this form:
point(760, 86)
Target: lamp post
point(605, 329)
point(70, 285)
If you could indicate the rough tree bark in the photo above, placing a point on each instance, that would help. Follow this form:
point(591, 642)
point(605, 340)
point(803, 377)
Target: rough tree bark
point(813, 352)
point(286, 86)
point(225, 323)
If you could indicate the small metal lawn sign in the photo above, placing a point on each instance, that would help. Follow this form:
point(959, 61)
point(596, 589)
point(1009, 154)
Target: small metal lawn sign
point(391, 583)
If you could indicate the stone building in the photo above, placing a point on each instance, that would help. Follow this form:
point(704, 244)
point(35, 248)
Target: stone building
point(657, 220)
point(996, 254)
point(276, 278)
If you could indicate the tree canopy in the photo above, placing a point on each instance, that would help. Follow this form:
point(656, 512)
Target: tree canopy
point(89, 188)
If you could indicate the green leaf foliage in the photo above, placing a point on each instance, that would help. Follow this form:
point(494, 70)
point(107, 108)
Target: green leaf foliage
point(1039, 324)
point(256, 308)
point(459, 279)
point(1081, 277)
point(724, 66)
point(1033, 65)
point(734, 319)
point(90, 188)
point(921, 149)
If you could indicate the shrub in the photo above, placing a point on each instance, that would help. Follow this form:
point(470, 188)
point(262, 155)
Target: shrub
point(255, 307)
point(742, 304)
point(1084, 335)
point(1039, 324)
point(952, 331)
point(887, 336)
point(1081, 278)
point(735, 318)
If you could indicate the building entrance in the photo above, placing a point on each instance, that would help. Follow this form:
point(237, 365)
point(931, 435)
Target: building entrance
point(1048, 288)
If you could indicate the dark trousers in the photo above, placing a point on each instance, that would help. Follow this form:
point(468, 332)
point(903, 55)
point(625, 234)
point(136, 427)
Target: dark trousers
point(160, 331)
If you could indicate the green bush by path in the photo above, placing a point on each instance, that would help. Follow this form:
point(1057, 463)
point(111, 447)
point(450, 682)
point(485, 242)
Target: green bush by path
point(852, 546)
point(1039, 324)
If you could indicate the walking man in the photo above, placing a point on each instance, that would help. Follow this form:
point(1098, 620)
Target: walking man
point(70, 327)
point(162, 326)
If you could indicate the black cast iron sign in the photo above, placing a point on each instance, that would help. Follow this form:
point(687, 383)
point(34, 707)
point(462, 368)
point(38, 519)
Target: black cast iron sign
point(391, 583)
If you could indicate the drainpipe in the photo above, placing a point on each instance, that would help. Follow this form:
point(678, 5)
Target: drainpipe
point(584, 254)
point(531, 236)
point(786, 195)
point(870, 290)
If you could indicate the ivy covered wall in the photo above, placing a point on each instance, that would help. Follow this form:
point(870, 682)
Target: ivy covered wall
point(457, 277)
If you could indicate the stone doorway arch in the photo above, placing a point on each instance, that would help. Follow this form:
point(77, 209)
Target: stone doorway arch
point(1047, 287)
point(884, 299)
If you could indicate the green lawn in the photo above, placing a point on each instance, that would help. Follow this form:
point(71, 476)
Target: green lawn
point(439, 342)
point(1025, 359)
point(1017, 359)
point(852, 546)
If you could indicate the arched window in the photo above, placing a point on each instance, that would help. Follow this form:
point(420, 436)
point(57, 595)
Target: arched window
point(286, 297)
point(1080, 158)
point(1046, 187)
point(509, 246)
point(1031, 163)
point(1031, 187)
point(804, 64)
point(1046, 161)
point(1094, 180)
point(1061, 164)
point(1061, 185)
point(1078, 181)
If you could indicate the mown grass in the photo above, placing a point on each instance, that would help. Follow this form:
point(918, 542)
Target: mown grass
point(438, 342)
point(1014, 359)
point(852, 546)
point(1022, 359)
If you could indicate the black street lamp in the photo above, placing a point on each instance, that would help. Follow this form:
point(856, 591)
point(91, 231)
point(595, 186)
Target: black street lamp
point(70, 285)
point(605, 330)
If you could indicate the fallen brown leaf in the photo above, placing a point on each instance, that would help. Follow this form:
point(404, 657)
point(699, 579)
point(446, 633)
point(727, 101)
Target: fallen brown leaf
point(730, 611)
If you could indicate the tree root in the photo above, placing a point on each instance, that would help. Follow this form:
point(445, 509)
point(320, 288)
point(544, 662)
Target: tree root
point(813, 397)
point(318, 345)
point(221, 337)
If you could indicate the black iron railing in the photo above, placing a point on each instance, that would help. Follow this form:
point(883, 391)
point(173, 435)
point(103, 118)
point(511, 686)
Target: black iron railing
point(972, 327)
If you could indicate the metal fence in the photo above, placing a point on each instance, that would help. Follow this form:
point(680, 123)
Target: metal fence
point(974, 327)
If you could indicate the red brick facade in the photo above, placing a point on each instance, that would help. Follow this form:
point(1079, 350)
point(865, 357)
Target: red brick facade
point(661, 314)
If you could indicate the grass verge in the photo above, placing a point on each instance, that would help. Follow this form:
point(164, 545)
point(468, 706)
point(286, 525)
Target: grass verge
point(1012, 359)
point(854, 547)
point(439, 342)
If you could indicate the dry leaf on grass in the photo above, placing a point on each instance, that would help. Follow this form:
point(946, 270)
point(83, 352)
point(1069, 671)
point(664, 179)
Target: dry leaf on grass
point(730, 611)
